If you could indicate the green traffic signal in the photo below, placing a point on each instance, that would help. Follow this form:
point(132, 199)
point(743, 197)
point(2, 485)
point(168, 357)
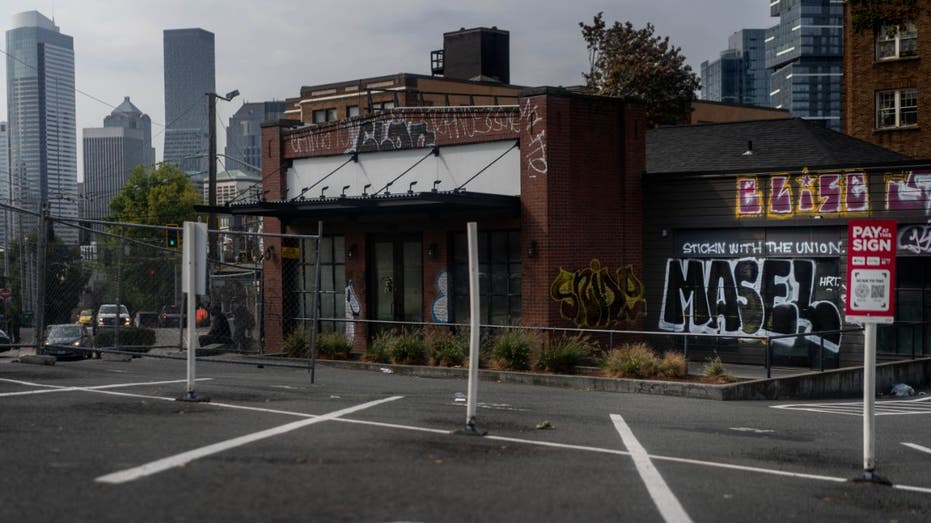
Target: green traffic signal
point(172, 236)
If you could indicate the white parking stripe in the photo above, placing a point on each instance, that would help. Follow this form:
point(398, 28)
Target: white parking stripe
point(855, 408)
point(184, 458)
point(58, 388)
point(667, 503)
point(917, 447)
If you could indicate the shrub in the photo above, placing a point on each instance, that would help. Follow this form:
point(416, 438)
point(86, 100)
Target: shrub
point(566, 353)
point(133, 339)
point(715, 372)
point(407, 348)
point(446, 349)
point(632, 360)
point(378, 349)
point(333, 345)
point(673, 365)
point(513, 349)
point(297, 344)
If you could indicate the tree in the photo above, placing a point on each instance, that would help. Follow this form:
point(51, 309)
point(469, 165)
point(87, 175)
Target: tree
point(147, 270)
point(625, 61)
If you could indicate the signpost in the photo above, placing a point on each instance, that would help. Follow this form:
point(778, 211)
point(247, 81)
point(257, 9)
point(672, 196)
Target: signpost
point(870, 300)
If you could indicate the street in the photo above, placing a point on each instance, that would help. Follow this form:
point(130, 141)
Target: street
point(100, 440)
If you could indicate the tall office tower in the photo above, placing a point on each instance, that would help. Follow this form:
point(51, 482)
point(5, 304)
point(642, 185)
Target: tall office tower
point(40, 106)
point(244, 135)
point(739, 75)
point(110, 155)
point(189, 75)
point(5, 183)
point(804, 54)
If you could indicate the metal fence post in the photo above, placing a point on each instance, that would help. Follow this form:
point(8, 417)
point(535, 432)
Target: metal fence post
point(821, 354)
point(315, 300)
point(41, 248)
point(769, 349)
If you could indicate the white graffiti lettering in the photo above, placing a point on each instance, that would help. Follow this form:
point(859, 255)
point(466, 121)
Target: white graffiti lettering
point(915, 238)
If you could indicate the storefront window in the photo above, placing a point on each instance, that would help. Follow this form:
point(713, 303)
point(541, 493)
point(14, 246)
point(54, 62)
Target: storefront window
point(911, 333)
point(499, 277)
point(332, 281)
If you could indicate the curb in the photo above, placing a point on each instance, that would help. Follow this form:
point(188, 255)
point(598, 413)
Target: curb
point(37, 359)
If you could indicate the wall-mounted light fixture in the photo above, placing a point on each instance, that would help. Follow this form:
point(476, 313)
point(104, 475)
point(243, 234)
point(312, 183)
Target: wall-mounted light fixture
point(270, 252)
point(664, 233)
point(532, 249)
point(432, 252)
point(351, 252)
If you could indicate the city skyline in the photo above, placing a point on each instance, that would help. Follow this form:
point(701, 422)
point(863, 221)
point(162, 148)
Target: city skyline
point(266, 62)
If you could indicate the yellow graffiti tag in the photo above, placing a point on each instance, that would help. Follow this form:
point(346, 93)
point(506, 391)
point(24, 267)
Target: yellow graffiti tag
point(593, 297)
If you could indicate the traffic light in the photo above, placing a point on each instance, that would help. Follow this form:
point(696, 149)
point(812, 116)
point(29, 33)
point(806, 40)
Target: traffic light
point(172, 236)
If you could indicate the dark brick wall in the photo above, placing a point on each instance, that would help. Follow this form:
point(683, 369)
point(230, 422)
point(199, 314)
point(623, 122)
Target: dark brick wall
point(864, 76)
point(273, 181)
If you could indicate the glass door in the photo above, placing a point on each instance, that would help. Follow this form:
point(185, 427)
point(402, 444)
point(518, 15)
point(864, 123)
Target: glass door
point(396, 280)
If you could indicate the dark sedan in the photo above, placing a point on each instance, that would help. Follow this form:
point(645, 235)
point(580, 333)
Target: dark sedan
point(68, 340)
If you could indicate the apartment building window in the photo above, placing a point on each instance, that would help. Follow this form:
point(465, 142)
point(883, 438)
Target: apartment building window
point(896, 41)
point(381, 106)
point(324, 115)
point(896, 108)
point(352, 110)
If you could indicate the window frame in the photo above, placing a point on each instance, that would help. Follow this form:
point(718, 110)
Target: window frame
point(897, 108)
point(886, 35)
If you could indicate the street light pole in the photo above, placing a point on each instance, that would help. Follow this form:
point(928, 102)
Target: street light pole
point(213, 249)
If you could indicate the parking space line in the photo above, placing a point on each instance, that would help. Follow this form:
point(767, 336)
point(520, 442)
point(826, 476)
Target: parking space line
point(665, 501)
point(184, 458)
point(917, 447)
point(59, 388)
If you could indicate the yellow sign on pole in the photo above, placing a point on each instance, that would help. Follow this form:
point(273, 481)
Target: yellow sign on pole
point(291, 253)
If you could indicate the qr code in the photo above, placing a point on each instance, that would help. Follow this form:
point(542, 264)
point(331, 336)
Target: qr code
point(877, 291)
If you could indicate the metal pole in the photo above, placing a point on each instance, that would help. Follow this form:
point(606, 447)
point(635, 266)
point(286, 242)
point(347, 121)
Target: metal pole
point(41, 247)
point(315, 300)
point(212, 173)
point(475, 311)
point(869, 400)
point(769, 349)
point(821, 354)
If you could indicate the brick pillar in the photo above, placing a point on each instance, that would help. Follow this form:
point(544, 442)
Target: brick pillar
point(274, 182)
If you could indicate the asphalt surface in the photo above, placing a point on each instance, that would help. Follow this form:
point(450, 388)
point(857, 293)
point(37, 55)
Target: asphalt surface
point(370, 446)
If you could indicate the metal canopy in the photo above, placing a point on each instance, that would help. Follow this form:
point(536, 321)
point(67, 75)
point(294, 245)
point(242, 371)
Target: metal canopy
point(357, 205)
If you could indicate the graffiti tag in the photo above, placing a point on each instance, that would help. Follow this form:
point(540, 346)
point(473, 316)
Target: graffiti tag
point(440, 306)
point(593, 297)
point(535, 151)
point(353, 309)
point(393, 134)
point(915, 238)
point(831, 194)
point(748, 296)
point(909, 192)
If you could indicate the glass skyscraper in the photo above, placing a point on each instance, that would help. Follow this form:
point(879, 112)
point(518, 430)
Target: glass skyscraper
point(804, 54)
point(40, 106)
point(110, 155)
point(189, 75)
point(244, 135)
point(739, 75)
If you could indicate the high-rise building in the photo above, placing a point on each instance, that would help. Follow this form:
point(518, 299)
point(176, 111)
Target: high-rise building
point(110, 155)
point(189, 75)
point(804, 54)
point(5, 182)
point(739, 75)
point(40, 106)
point(244, 135)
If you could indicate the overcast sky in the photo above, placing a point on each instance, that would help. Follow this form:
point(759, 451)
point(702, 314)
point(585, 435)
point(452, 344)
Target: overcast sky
point(268, 49)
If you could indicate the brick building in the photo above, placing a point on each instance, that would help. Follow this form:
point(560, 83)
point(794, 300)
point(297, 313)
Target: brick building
point(886, 88)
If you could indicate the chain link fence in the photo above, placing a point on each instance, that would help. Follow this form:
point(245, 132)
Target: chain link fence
point(122, 283)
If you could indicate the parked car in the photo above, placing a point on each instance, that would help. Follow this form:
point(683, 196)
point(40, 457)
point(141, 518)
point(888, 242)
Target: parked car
point(86, 317)
point(4, 342)
point(61, 340)
point(170, 315)
point(106, 315)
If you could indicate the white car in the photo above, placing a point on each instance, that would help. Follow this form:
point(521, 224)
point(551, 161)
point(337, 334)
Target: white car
point(106, 315)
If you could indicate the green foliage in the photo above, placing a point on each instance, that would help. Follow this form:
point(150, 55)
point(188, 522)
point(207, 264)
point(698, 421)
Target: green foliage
point(297, 344)
point(408, 348)
point(566, 353)
point(159, 196)
point(379, 349)
point(632, 360)
point(513, 349)
point(135, 339)
point(869, 15)
point(446, 349)
point(333, 345)
point(624, 61)
point(714, 370)
point(65, 277)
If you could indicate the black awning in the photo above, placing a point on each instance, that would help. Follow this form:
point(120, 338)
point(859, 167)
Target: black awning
point(356, 205)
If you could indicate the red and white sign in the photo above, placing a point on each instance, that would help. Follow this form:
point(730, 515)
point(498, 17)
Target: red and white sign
point(871, 271)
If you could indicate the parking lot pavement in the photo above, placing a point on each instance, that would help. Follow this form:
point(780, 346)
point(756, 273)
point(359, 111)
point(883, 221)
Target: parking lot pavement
point(105, 441)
